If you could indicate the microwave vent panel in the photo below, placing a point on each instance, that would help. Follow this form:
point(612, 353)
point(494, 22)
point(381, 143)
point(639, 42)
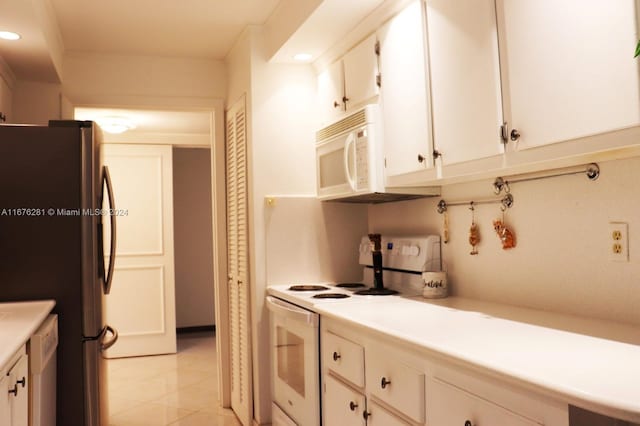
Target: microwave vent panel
point(354, 120)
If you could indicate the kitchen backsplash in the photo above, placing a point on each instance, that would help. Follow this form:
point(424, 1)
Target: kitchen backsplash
point(561, 261)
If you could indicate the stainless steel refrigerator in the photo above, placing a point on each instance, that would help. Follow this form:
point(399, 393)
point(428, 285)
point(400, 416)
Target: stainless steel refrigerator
point(52, 189)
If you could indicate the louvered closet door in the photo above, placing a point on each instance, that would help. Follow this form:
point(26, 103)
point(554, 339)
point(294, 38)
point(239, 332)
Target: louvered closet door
point(238, 263)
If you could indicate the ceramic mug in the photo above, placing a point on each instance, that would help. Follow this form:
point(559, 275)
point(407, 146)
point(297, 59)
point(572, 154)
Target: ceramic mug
point(435, 285)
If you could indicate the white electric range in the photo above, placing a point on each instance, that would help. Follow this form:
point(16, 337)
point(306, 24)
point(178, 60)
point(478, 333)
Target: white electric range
point(295, 324)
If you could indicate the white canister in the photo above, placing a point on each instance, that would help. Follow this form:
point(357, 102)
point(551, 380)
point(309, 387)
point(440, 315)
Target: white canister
point(435, 285)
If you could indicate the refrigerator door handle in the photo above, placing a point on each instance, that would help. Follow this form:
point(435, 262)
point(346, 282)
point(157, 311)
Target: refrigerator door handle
point(114, 333)
point(112, 250)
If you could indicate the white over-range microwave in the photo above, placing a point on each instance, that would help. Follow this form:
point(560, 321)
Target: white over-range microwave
point(350, 161)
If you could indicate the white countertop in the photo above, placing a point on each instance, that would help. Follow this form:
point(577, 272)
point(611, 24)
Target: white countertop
point(18, 321)
point(548, 352)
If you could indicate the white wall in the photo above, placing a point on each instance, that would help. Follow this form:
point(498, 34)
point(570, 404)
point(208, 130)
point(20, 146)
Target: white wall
point(280, 102)
point(561, 260)
point(105, 79)
point(36, 102)
point(193, 251)
point(7, 82)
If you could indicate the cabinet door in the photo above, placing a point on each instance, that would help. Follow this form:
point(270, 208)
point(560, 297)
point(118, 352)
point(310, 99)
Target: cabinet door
point(19, 399)
point(5, 401)
point(448, 405)
point(360, 73)
point(395, 383)
point(568, 68)
point(465, 79)
point(404, 98)
point(330, 93)
point(342, 405)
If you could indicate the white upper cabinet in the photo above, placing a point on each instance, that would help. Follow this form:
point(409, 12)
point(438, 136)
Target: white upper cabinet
point(568, 68)
point(331, 92)
point(349, 82)
point(465, 79)
point(360, 73)
point(404, 94)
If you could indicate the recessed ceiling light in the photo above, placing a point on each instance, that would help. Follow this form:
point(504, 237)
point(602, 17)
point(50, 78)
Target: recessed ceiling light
point(303, 57)
point(114, 124)
point(8, 35)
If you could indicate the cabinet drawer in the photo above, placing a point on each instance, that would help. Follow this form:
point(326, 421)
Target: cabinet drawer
point(396, 383)
point(378, 416)
point(344, 358)
point(453, 406)
point(342, 405)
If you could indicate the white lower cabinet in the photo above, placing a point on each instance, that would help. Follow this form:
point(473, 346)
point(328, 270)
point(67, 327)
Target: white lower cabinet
point(452, 406)
point(406, 385)
point(14, 391)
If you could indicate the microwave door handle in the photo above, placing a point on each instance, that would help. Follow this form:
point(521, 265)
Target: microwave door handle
point(347, 160)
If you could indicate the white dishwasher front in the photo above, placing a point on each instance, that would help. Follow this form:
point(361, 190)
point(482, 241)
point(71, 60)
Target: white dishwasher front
point(42, 369)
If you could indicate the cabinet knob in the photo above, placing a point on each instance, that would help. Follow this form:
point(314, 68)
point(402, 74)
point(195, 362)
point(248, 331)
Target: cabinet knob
point(345, 100)
point(468, 423)
point(421, 158)
point(384, 382)
point(336, 356)
point(366, 414)
point(22, 382)
point(14, 390)
point(336, 104)
point(515, 135)
point(352, 406)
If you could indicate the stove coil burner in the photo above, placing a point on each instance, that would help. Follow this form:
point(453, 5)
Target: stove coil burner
point(376, 292)
point(308, 287)
point(350, 285)
point(330, 296)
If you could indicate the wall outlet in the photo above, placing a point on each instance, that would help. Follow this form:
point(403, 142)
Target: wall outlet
point(618, 241)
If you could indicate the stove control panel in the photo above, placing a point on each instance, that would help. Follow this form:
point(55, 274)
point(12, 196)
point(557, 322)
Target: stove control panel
point(416, 254)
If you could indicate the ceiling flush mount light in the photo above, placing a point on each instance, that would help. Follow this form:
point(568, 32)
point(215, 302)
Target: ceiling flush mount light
point(115, 125)
point(303, 57)
point(9, 35)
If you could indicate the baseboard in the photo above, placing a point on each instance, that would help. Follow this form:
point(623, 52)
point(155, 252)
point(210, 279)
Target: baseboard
point(196, 329)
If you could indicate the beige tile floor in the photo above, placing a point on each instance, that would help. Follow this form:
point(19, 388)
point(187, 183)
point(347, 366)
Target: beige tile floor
point(180, 389)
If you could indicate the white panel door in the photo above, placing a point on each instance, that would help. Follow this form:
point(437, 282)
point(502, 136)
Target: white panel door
point(141, 305)
point(569, 65)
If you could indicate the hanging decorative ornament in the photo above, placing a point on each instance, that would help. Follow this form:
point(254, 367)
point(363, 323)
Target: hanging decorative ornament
point(506, 235)
point(474, 233)
point(445, 228)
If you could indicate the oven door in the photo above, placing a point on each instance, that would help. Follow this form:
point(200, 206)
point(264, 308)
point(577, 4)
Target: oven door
point(295, 361)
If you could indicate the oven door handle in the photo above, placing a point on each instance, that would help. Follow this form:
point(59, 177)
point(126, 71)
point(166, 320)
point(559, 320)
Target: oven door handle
point(293, 312)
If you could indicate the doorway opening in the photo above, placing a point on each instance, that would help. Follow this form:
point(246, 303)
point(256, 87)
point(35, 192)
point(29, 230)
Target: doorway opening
point(168, 383)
